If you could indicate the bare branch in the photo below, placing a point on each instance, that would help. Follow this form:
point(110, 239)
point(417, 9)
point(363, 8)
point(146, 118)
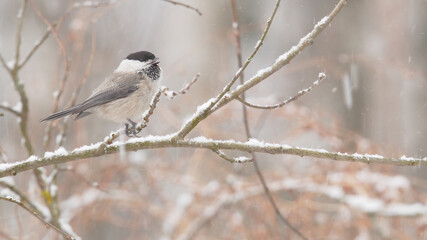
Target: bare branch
point(45, 36)
point(63, 51)
point(3, 155)
point(4, 64)
point(60, 90)
point(82, 177)
point(24, 199)
point(77, 91)
point(63, 233)
point(19, 33)
point(272, 202)
point(35, 47)
point(246, 123)
point(184, 5)
point(322, 76)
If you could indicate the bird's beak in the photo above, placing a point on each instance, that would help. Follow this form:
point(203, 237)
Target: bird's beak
point(154, 61)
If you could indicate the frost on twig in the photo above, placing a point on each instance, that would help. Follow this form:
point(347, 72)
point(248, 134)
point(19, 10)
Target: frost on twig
point(172, 94)
point(222, 99)
point(321, 77)
point(14, 110)
point(241, 159)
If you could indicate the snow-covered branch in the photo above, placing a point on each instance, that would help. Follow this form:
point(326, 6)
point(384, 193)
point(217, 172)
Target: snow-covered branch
point(225, 96)
point(151, 142)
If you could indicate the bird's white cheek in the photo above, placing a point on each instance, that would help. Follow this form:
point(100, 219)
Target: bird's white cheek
point(129, 66)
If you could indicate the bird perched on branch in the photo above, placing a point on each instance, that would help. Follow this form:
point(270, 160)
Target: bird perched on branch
point(124, 95)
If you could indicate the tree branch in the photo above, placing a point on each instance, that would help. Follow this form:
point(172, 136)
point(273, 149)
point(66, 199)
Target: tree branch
point(24, 199)
point(11, 110)
point(184, 5)
point(224, 156)
point(167, 141)
point(246, 123)
point(322, 76)
point(215, 103)
point(19, 33)
point(63, 233)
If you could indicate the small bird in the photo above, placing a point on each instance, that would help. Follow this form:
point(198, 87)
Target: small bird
point(124, 95)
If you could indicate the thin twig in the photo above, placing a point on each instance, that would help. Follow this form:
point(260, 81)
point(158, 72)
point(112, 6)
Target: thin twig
point(321, 77)
point(224, 156)
point(273, 203)
point(4, 64)
point(3, 155)
point(60, 90)
point(246, 124)
point(281, 61)
point(236, 28)
point(145, 119)
point(60, 231)
point(24, 199)
point(35, 48)
point(149, 112)
point(55, 25)
point(11, 110)
point(184, 5)
point(78, 89)
point(172, 94)
point(82, 177)
point(208, 110)
point(18, 222)
point(19, 33)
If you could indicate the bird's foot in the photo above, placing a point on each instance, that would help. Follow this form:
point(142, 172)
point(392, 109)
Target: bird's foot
point(130, 129)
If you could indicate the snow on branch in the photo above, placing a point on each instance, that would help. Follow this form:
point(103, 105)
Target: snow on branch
point(167, 141)
point(15, 110)
point(321, 77)
point(225, 96)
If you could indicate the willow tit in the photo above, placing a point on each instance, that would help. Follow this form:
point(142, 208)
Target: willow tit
point(124, 95)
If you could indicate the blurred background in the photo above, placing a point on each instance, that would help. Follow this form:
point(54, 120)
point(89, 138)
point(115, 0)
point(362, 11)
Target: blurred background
point(374, 100)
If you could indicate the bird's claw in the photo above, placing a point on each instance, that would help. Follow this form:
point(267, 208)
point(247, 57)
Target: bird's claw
point(130, 129)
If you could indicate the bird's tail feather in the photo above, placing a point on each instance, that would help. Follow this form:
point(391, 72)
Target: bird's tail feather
point(63, 113)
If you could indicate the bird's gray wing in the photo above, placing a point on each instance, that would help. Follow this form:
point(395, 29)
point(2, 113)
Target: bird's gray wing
point(108, 95)
point(118, 90)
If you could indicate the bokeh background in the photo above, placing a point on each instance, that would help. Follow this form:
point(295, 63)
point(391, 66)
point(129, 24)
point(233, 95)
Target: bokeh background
point(373, 101)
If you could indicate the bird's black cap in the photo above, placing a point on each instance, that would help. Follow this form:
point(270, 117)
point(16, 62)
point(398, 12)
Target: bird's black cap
point(141, 56)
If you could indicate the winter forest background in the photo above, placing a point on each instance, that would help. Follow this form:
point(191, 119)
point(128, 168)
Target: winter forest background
point(372, 101)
